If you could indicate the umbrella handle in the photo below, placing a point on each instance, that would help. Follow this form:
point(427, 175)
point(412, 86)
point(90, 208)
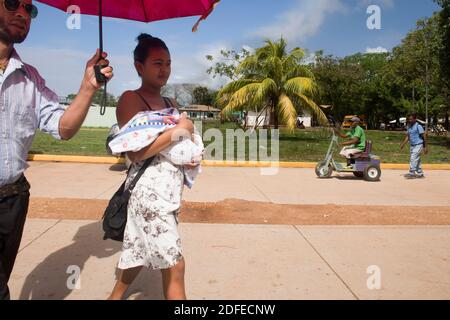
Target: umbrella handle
point(104, 101)
point(100, 77)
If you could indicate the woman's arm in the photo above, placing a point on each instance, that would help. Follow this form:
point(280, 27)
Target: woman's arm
point(128, 107)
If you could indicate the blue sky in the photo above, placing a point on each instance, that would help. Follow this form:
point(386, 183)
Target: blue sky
point(336, 26)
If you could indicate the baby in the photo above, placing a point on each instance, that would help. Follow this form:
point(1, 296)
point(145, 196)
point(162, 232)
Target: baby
point(143, 129)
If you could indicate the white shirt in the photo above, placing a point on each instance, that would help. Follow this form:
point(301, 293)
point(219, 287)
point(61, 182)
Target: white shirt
point(26, 104)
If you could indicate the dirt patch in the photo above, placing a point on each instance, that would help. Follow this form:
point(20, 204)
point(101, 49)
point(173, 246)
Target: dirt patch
point(250, 212)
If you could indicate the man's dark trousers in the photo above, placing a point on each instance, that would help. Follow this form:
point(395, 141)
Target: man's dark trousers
point(13, 212)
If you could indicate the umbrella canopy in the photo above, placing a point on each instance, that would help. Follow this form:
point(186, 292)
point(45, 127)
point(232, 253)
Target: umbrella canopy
point(138, 10)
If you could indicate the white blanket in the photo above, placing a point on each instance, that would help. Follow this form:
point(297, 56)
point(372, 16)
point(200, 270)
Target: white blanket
point(143, 129)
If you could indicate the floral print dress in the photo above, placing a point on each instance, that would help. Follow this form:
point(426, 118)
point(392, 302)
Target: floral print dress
point(151, 236)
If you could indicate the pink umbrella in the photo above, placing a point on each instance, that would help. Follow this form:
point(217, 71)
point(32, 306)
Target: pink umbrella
point(139, 10)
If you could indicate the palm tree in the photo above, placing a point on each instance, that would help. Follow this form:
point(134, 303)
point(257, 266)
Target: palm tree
point(273, 79)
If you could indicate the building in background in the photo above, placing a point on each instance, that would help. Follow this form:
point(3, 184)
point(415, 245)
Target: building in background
point(305, 120)
point(253, 119)
point(201, 112)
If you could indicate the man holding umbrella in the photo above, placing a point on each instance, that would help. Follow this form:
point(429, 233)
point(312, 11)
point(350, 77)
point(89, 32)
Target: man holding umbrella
point(26, 104)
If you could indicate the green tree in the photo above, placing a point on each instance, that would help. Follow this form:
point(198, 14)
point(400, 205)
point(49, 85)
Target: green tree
point(444, 56)
point(273, 78)
point(202, 95)
point(71, 96)
point(414, 70)
point(352, 85)
point(111, 101)
point(226, 65)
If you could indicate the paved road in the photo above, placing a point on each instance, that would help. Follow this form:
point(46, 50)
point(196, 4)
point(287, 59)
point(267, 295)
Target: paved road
point(245, 262)
point(226, 261)
point(288, 186)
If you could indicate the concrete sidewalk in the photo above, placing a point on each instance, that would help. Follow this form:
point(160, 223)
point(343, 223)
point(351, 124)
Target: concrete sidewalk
point(244, 262)
point(288, 186)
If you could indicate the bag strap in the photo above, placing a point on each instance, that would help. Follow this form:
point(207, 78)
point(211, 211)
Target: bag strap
point(168, 103)
point(139, 174)
point(145, 101)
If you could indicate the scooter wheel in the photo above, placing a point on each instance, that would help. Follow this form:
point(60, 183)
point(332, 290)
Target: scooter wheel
point(324, 172)
point(372, 173)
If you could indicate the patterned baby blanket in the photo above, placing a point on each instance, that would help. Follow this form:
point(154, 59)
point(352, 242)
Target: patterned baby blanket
point(143, 129)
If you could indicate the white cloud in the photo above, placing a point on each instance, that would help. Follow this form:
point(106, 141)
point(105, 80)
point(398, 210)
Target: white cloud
point(305, 18)
point(302, 21)
point(191, 68)
point(63, 68)
point(376, 50)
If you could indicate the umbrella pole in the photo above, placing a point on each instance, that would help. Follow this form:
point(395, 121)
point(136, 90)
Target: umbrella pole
point(100, 25)
point(100, 77)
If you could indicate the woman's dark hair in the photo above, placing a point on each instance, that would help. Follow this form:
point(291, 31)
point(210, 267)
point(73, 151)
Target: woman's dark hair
point(145, 43)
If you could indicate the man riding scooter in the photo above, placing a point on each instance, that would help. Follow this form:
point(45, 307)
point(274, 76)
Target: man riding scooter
point(361, 162)
point(357, 142)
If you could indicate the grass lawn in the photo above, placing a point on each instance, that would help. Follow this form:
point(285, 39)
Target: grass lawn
point(88, 142)
point(302, 145)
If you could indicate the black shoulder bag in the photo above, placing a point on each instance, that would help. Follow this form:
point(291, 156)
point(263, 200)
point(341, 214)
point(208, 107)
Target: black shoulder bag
point(115, 216)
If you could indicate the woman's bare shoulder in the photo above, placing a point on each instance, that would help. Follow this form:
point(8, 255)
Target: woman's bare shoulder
point(128, 106)
point(128, 95)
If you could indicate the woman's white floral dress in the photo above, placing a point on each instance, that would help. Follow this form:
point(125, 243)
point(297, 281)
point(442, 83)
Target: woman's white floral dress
point(151, 236)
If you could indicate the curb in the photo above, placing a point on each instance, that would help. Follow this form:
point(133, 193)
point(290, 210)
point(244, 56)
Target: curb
point(209, 163)
point(76, 159)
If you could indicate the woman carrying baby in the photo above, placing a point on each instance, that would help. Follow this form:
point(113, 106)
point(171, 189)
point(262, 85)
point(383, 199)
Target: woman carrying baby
point(151, 237)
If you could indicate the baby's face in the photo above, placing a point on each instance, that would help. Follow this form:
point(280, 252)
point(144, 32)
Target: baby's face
point(170, 120)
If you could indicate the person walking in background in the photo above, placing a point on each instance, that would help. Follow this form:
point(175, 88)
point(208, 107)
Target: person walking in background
point(418, 143)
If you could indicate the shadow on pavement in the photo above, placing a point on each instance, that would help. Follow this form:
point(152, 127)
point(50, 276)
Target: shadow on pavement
point(48, 281)
point(347, 177)
point(118, 167)
point(351, 177)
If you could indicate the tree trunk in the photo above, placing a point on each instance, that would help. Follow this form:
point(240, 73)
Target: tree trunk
point(446, 121)
point(276, 121)
point(273, 117)
point(257, 121)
